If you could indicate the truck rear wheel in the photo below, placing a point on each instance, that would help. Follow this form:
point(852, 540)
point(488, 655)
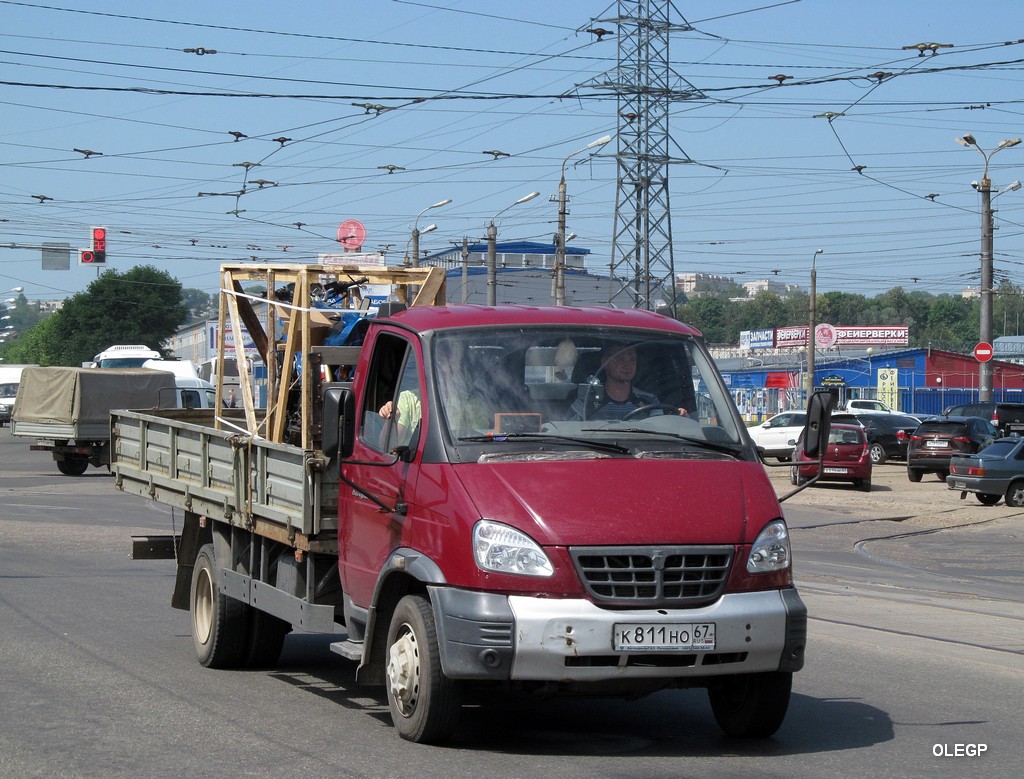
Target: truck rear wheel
point(73, 466)
point(751, 705)
point(424, 703)
point(218, 622)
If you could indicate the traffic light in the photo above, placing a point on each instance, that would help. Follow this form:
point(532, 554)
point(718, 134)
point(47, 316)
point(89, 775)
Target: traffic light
point(97, 255)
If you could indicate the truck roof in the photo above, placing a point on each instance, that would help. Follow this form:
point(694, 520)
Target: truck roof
point(422, 318)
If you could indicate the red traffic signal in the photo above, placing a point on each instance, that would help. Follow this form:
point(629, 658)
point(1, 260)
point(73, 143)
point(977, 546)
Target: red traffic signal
point(98, 254)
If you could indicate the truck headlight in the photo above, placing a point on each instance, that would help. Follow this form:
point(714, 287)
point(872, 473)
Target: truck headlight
point(504, 549)
point(770, 551)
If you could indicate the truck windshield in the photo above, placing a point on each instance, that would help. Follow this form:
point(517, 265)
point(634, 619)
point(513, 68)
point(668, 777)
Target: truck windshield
point(640, 389)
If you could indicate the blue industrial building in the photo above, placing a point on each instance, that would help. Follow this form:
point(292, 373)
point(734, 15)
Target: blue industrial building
point(914, 381)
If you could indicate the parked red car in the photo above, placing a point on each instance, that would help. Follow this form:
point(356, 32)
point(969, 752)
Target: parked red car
point(847, 458)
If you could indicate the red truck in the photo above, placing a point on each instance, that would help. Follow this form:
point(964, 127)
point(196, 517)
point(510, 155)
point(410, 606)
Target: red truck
point(480, 504)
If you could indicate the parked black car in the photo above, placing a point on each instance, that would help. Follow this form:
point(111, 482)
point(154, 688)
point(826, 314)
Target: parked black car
point(888, 435)
point(1007, 417)
point(939, 438)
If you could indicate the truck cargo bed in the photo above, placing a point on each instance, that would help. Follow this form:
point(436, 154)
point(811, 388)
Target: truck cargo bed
point(179, 458)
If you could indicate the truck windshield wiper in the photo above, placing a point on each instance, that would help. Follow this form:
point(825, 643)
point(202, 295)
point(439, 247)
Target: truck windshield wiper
point(548, 438)
point(732, 449)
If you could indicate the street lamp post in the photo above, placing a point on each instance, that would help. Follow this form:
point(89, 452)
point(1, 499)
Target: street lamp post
point(985, 188)
point(416, 232)
point(560, 235)
point(811, 324)
point(492, 256)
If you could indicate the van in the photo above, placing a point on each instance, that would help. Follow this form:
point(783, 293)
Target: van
point(10, 377)
point(125, 356)
point(189, 393)
point(232, 376)
point(185, 369)
point(195, 393)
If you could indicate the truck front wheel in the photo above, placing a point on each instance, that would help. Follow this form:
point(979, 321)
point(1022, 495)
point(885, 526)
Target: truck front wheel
point(751, 705)
point(218, 622)
point(424, 703)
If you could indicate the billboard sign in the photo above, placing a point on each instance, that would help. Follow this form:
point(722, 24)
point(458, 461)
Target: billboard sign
point(827, 336)
point(757, 339)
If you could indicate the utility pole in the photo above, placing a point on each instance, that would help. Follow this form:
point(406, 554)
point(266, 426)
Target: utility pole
point(465, 269)
point(985, 188)
point(560, 238)
point(985, 368)
point(811, 324)
point(492, 256)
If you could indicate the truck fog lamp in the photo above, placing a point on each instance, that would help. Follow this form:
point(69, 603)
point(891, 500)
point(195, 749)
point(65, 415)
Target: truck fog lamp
point(504, 549)
point(771, 551)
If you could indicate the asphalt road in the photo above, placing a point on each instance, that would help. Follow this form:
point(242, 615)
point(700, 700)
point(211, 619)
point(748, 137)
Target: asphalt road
point(915, 646)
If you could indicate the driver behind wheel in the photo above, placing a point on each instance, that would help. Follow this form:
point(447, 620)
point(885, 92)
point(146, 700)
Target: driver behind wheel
point(616, 398)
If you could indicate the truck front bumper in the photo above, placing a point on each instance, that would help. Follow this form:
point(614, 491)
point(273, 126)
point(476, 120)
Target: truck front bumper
point(486, 636)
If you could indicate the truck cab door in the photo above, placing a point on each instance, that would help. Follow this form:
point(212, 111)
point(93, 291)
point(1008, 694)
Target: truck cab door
point(384, 463)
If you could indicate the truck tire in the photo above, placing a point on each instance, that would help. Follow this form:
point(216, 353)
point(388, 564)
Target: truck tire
point(424, 703)
point(265, 639)
point(73, 466)
point(751, 705)
point(218, 622)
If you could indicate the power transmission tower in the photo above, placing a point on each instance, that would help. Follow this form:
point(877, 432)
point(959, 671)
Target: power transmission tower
point(642, 262)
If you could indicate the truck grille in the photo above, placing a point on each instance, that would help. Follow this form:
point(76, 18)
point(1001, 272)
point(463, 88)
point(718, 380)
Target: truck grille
point(681, 576)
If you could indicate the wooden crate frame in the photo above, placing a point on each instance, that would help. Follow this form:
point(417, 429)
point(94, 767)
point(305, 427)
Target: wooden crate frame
point(305, 325)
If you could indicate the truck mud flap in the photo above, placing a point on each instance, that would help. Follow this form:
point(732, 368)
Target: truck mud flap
point(154, 547)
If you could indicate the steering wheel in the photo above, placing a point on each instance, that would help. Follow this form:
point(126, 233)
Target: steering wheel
point(668, 408)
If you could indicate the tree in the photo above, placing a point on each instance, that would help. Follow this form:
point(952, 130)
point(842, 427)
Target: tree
point(953, 323)
point(708, 314)
point(1007, 307)
point(40, 345)
point(22, 314)
point(140, 306)
point(198, 303)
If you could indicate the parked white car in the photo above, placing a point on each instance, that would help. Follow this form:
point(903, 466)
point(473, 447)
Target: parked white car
point(777, 434)
point(866, 406)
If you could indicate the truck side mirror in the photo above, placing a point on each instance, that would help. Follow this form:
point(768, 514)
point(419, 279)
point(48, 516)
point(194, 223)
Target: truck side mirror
point(819, 421)
point(339, 421)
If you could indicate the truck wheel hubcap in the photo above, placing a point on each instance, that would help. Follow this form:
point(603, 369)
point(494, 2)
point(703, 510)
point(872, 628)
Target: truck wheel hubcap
point(404, 670)
point(203, 609)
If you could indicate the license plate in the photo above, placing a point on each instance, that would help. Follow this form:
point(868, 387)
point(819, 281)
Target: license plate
point(960, 485)
point(842, 471)
point(647, 637)
point(937, 444)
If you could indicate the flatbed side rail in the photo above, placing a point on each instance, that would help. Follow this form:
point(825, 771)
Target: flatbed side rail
point(275, 489)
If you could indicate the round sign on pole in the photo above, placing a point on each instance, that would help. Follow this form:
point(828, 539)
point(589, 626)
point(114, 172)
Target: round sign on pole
point(351, 234)
point(825, 336)
point(983, 352)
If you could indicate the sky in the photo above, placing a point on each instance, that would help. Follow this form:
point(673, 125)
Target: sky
point(210, 133)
